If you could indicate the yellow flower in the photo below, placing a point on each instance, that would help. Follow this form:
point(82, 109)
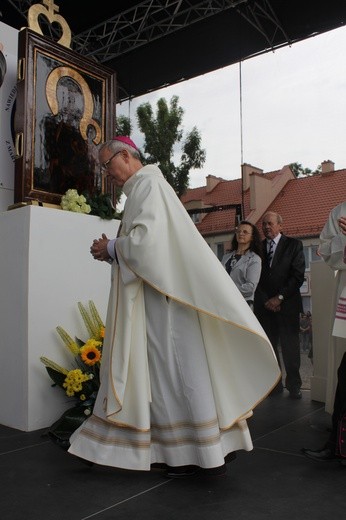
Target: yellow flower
point(90, 354)
point(74, 382)
point(81, 383)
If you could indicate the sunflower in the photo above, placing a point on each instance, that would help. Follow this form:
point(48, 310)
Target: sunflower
point(90, 353)
point(80, 383)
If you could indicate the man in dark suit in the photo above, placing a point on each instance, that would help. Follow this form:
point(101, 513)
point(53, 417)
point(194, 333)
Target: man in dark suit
point(278, 302)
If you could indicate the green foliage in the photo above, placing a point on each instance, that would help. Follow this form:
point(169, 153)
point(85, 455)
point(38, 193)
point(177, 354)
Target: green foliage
point(300, 171)
point(57, 377)
point(62, 429)
point(192, 157)
point(123, 126)
point(82, 381)
point(162, 134)
point(101, 205)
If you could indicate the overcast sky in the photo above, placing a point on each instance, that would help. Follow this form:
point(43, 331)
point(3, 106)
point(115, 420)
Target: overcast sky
point(293, 109)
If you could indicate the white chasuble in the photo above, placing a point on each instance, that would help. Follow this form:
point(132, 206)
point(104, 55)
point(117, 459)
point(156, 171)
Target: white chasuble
point(331, 249)
point(185, 359)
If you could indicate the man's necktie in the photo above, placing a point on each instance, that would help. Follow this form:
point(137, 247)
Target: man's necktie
point(270, 252)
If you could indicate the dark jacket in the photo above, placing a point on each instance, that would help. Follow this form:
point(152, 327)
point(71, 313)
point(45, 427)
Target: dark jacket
point(285, 276)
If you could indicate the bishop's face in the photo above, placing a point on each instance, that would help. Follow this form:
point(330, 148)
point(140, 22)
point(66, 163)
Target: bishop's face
point(116, 165)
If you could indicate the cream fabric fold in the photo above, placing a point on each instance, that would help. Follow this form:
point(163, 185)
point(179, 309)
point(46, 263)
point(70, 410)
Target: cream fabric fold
point(160, 246)
point(331, 249)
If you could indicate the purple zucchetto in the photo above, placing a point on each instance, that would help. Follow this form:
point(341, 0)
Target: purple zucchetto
point(126, 140)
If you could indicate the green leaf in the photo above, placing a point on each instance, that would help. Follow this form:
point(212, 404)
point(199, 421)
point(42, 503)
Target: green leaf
point(68, 423)
point(56, 376)
point(79, 342)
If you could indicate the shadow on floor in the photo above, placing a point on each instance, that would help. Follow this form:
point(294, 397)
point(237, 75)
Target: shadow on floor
point(274, 481)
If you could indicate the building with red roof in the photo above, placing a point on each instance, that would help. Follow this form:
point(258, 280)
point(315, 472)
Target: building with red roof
point(303, 202)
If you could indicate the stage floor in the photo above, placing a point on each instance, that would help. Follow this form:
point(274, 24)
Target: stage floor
point(40, 481)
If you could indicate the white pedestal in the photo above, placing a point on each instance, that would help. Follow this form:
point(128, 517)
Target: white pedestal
point(45, 269)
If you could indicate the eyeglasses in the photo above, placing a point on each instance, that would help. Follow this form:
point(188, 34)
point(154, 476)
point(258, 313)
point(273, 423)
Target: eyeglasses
point(238, 231)
point(104, 166)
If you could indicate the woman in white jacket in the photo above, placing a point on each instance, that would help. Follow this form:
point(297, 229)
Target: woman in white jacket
point(244, 261)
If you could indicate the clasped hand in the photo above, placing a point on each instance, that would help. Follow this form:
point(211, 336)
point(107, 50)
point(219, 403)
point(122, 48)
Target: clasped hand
point(273, 304)
point(99, 250)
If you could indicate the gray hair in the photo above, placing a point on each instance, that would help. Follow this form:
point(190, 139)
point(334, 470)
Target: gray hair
point(116, 146)
point(278, 217)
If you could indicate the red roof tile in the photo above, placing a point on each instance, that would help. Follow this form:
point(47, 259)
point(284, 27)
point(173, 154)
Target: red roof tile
point(304, 203)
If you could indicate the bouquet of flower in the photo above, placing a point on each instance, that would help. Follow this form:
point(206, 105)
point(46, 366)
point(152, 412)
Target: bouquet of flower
point(82, 380)
point(101, 205)
point(72, 201)
point(97, 203)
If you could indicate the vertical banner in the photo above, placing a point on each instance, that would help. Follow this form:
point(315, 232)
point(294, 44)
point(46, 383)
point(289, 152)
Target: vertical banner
point(8, 92)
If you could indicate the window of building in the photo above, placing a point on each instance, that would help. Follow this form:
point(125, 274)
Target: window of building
point(310, 253)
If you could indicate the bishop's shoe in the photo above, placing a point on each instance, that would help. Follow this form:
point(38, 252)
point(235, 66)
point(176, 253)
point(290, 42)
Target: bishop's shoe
point(183, 472)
